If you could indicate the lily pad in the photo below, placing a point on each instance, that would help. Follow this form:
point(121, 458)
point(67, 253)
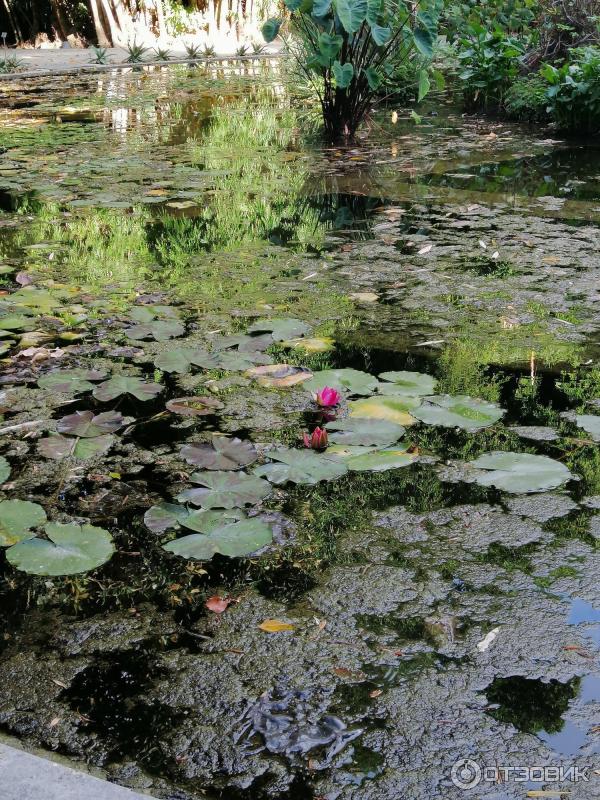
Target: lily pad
point(86, 425)
point(223, 454)
point(57, 446)
point(392, 409)
point(71, 381)
point(300, 466)
point(180, 359)
point(161, 330)
point(194, 406)
point(380, 460)
point(165, 516)
point(350, 381)
point(458, 411)
point(234, 540)
point(126, 384)
point(590, 424)
point(71, 549)
point(279, 376)
point(280, 329)
point(414, 384)
point(520, 473)
point(4, 470)
point(364, 432)
point(225, 490)
point(208, 521)
point(17, 518)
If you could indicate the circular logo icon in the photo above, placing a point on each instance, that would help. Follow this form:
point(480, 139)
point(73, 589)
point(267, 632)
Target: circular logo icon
point(466, 773)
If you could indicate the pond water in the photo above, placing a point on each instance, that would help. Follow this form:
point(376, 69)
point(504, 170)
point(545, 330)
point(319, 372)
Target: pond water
point(163, 234)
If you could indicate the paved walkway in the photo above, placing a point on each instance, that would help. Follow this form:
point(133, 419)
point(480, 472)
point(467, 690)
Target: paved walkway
point(27, 777)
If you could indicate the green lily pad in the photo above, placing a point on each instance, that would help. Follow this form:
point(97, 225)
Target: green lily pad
point(126, 384)
point(208, 521)
point(57, 446)
point(520, 473)
point(71, 381)
point(414, 384)
point(590, 423)
point(316, 344)
point(234, 540)
point(458, 411)
point(345, 451)
point(4, 470)
point(165, 516)
point(224, 453)
point(160, 330)
point(300, 466)
point(144, 314)
point(350, 381)
point(194, 406)
point(16, 322)
point(392, 409)
point(17, 518)
point(71, 549)
point(87, 425)
point(180, 359)
point(364, 432)
point(280, 329)
point(225, 490)
point(380, 460)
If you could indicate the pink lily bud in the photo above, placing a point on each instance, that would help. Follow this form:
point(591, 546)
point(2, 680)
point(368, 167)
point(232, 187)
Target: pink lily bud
point(328, 397)
point(317, 440)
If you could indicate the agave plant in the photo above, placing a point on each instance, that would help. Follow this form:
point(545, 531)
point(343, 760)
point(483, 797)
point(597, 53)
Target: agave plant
point(136, 53)
point(242, 51)
point(100, 55)
point(208, 51)
point(258, 48)
point(162, 53)
point(9, 64)
point(192, 50)
point(347, 48)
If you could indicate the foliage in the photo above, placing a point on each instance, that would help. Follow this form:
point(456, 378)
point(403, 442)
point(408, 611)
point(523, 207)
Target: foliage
point(574, 90)
point(562, 26)
point(489, 63)
point(510, 16)
point(347, 48)
point(135, 53)
point(192, 50)
point(162, 53)
point(9, 64)
point(100, 55)
point(526, 99)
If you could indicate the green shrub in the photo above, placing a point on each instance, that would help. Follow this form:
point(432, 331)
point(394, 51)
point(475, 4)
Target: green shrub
point(573, 91)
point(490, 62)
point(526, 99)
point(510, 16)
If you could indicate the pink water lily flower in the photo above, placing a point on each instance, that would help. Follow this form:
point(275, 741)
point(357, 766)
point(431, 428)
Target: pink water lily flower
point(328, 397)
point(317, 440)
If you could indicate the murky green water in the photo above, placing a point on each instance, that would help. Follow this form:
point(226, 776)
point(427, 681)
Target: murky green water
point(434, 618)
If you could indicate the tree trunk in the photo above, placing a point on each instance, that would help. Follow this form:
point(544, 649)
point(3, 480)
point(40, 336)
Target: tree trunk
point(160, 19)
point(13, 21)
point(101, 36)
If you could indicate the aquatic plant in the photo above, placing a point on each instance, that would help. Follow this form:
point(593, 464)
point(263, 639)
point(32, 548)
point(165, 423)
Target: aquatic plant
point(317, 440)
point(489, 63)
point(328, 397)
point(346, 48)
point(574, 90)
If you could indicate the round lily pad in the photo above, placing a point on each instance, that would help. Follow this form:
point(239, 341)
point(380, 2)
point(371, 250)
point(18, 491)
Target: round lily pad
point(126, 384)
point(194, 406)
point(161, 330)
point(224, 453)
point(380, 460)
point(280, 329)
point(181, 359)
point(458, 411)
point(208, 521)
point(414, 384)
point(234, 540)
point(165, 516)
point(350, 381)
point(520, 473)
point(57, 446)
point(279, 376)
point(87, 425)
point(300, 466)
point(71, 381)
point(17, 518)
point(225, 490)
point(69, 550)
point(364, 432)
point(393, 409)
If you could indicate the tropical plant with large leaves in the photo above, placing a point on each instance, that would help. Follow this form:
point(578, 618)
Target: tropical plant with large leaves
point(347, 49)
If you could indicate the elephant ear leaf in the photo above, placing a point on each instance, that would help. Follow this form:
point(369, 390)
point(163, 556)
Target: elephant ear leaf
point(424, 85)
point(321, 8)
point(330, 46)
point(343, 74)
point(424, 41)
point(381, 34)
point(293, 5)
point(352, 13)
point(373, 78)
point(270, 29)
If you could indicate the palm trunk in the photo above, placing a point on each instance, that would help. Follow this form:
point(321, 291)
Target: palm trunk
point(101, 36)
point(13, 21)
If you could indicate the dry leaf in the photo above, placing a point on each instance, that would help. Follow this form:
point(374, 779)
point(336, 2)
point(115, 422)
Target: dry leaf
point(375, 692)
point(54, 722)
point(425, 249)
point(275, 625)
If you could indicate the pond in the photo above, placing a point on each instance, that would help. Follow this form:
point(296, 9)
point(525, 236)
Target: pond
point(193, 602)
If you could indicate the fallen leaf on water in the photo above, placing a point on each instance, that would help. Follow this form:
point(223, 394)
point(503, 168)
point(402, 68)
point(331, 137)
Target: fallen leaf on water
point(217, 604)
point(54, 722)
point(579, 650)
point(375, 692)
point(483, 645)
point(425, 249)
point(275, 625)
point(59, 683)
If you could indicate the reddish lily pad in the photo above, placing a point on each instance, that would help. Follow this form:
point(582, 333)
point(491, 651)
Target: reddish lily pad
point(223, 454)
point(87, 425)
point(58, 447)
point(279, 376)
